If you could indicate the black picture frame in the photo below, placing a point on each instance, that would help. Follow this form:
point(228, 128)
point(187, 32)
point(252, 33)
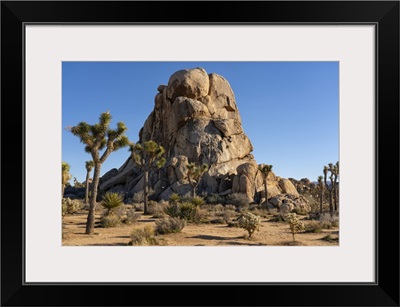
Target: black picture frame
point(383, 14)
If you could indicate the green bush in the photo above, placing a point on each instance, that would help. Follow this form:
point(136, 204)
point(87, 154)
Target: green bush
point(250, 222)
point(143, 236)
point(111, 200)
point(169, 225)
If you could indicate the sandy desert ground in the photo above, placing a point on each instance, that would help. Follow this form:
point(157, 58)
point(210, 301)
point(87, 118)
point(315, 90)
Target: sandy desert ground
point(270, 233)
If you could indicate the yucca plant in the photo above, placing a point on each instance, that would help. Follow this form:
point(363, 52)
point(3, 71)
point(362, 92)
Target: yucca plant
point(174, 198)
point(111, 200)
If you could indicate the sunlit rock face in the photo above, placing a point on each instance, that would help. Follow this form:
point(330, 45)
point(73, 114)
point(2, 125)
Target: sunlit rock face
point(196, 119)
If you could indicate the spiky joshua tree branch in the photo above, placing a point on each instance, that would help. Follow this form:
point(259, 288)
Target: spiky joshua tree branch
point(194, 174)
point(100, 141)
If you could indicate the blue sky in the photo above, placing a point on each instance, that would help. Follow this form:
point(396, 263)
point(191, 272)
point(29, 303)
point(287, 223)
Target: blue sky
point(289, 110)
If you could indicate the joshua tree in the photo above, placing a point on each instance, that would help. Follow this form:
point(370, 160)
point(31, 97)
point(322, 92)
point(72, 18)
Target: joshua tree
point(329, 187)
point(65, 176)
point(148, 156)
point(335, 171)
point(98, 137)
point(194, 174)
point(265, 169)
point(89, 166)
point(321, 191)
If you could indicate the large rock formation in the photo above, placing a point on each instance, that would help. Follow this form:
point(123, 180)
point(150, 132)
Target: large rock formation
point(196, 119)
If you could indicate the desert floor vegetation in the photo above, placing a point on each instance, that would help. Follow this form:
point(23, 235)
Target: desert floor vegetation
point(182, 222)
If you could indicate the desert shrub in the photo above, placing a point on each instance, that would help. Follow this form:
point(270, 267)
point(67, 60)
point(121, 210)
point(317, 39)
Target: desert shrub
point(138, 206)
point(278, 218)
point(64, 208)
point(295, 224)
point(143, 236)
point(313, 227)
point(174, 198)
point(230, 207)
point(157, 210)
point(110, 220)
point(214, 199)
point(111, 200)
point(185, 210)
point(228, 216)
point(138, 197)
point(70, 206)
point(197, 201)
point(254, 207)
point(249, 222)
point(299, 211)
point(330, 239)
point(327, 221)
point(238, 199)
point(169, 225)
point(314, 215)
point(131, 217)
point(233, 224)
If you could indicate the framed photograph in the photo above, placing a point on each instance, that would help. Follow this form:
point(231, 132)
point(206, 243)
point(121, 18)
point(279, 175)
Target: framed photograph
point(200, 153)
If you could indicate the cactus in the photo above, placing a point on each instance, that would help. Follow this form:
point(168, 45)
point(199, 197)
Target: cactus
point(294, 224)
point(250, 222)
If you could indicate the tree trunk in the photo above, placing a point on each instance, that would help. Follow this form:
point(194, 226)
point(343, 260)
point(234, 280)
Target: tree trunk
point(92, 202)
point(87, 189)
point(293, 237)
point(266, 190)
point(146, 192)
point(321, 201)
point(62, 190)
point(331, 200)
point(194, 189)
point(334, 198)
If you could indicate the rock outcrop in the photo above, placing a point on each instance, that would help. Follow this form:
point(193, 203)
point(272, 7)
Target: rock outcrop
point(196, 119)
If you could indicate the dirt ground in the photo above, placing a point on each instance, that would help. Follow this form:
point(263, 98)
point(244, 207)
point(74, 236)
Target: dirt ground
point(271, 233)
